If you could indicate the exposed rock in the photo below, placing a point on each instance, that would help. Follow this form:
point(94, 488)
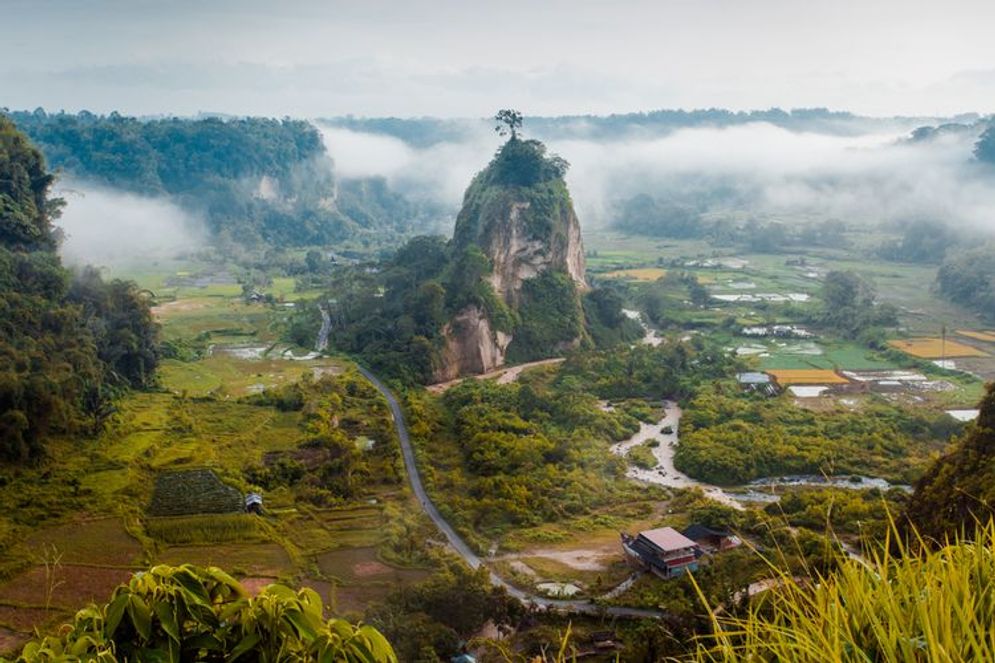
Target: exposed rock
point(517, 256)
point(471, 346)
point(519, 213)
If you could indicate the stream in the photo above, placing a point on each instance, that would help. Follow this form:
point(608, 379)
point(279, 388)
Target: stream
point(759, 490)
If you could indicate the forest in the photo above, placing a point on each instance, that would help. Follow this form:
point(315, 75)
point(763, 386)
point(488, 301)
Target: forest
point(734, 438)
point(69, 343)
point(255, 181)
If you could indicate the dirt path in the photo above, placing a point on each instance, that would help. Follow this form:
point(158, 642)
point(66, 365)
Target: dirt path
point(504, 375)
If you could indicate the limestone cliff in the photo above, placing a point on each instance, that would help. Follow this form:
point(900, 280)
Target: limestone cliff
point(518, 213)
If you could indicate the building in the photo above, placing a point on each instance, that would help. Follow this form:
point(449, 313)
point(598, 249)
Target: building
point(664, 551)
point(254, 503)
point(711, 539)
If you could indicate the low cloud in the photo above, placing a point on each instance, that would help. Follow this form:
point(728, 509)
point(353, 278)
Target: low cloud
point(110, 228)
point(758, 169)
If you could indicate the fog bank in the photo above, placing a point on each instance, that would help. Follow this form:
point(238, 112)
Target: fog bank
point(109, 228)
point(756, 170)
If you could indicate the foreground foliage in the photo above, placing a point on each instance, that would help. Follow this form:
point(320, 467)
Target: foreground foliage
point(188, 613)
point(898, 607)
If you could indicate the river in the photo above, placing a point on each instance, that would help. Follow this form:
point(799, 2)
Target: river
point(760, 490)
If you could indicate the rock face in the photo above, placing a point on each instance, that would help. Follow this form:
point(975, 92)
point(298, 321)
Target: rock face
point(525, 228)
point(471, 345)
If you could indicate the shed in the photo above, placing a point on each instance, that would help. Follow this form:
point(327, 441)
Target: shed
point(254, 503)
point(712, 539)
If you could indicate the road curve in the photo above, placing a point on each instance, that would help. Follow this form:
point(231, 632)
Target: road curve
point(460, 546)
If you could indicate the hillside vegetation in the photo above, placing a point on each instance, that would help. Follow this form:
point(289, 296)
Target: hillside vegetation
point(957, 494)
point(254, 180)
point(68, 343)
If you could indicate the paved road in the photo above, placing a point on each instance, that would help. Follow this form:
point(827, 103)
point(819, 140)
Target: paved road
point(464, 550)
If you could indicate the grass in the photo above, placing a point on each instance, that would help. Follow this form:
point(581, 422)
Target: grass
point(224, 375)
point(219, 528)
point(933, 605)
point(935, 348)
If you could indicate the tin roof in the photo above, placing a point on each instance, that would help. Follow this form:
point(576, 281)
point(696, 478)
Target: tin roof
point(667, 538)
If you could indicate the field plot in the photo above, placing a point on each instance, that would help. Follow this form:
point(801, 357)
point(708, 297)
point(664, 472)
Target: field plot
point(225, 374)
point(258, 559)
point(935, 348)
point(99, 542)
point(806, 376)
point(71, 586)
point(356, 577)
point(987, 336)
point(638, 274)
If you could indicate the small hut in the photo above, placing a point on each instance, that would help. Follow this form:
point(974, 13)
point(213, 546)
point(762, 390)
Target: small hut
point(254, 503)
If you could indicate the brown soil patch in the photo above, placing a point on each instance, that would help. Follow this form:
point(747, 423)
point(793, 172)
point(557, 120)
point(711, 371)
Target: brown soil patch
point(255, 584)
point(27, 619)
point(178, 306)
point(366, 569)
point(72, 587)
point(11, 641)
point(103, 542)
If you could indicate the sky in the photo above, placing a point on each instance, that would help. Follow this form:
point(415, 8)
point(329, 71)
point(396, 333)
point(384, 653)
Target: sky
point(465, 58)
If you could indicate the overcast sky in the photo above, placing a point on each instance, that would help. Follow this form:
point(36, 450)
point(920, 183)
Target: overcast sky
point(467, 58)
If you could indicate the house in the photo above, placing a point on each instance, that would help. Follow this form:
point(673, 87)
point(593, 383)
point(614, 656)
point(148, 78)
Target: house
point(664, 551)
point(711, 539)
point(254, 503)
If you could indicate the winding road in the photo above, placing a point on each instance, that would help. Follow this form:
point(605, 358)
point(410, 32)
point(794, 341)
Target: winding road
point(460, 546)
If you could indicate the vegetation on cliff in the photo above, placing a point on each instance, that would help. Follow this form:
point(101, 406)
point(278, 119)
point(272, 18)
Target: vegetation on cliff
point(67, 345)
point(957, 494)
point(216, 168)
point(395, 315)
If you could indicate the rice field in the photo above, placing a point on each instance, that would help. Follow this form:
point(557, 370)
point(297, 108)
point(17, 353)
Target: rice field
point(935, 348)
point(806, 376)
point(647, 274)
point(987, 336)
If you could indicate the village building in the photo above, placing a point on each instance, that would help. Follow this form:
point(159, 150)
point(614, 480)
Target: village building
point(712, 540)
point(254, 503)
point(664, 551)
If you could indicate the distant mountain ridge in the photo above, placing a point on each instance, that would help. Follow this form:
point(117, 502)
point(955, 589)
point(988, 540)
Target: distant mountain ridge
point(426, 131)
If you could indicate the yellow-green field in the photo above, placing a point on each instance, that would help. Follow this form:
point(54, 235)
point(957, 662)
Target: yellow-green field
point(786, 376)
point(935, 348)
point(987, 336)
point(638, 274)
